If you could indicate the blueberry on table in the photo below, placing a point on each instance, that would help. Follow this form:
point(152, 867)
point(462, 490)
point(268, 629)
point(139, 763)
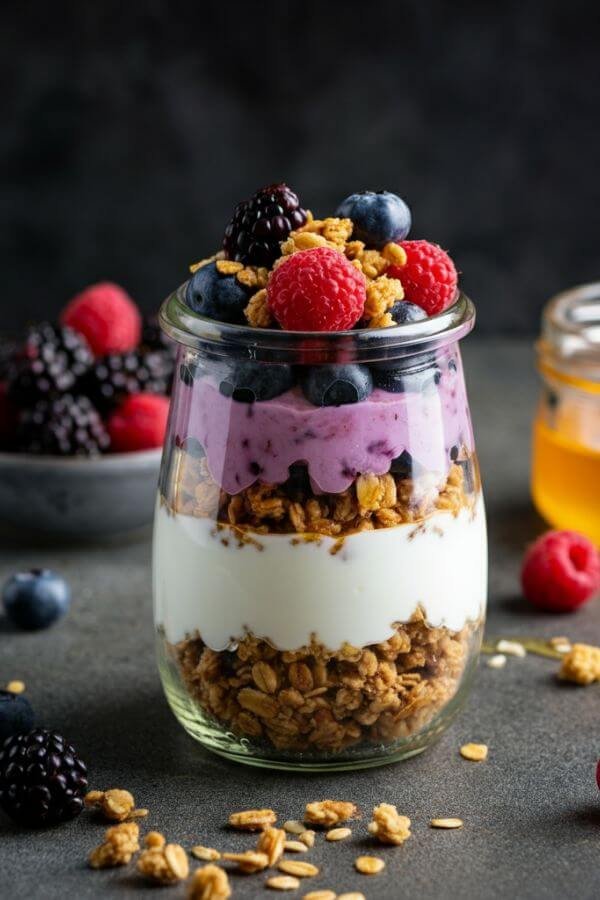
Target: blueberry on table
point(378, 216)
point(35, 599)
point(16, 715)
point(415, 374)
point(216, 296)
point(42, 779)
point(250, 381)
point(403, 312)
point(336, 385)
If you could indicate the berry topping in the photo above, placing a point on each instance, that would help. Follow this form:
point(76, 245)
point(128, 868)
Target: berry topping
point(316, 290)
point(48, 364)
point(415, 374)
point(260, 224)
point(250, 381)
point(107, 316)
point(403, 312)
point(561, 571)
point(379, 217)
point(113, 378)
point(336, 385)
point(428, 277)
point(139, 423)
point(67, 426)
point(16, 715)
point(42, 780)
point(35, 599)
point(217, 296)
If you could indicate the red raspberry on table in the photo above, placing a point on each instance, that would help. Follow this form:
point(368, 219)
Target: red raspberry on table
point(139, 423)
point(429, 277)
point(316, 290)
point(561, 571)
point(106, 315)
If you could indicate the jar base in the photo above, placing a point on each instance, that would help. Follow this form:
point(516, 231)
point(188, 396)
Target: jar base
point(226, 744)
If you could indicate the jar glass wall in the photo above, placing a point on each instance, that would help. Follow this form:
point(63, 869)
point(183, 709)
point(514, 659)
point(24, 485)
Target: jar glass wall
point(566, 440)
point(319, 571)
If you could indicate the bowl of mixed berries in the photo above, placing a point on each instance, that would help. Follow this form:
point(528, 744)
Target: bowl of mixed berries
point(83, 412)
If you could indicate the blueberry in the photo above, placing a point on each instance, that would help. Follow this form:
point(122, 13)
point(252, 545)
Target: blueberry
point(403, 312)
point(378, 217)
point(36, 599)
point(16, 715)
point(336, 385)
point(219, 297)
point(402, 465)
point(250, 381)
point(414, 375)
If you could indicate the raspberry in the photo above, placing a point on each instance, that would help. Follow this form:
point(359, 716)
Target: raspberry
point(561, 571)
point(428, 277)
point(107, 316)
point(316, 290)
point(139, 423)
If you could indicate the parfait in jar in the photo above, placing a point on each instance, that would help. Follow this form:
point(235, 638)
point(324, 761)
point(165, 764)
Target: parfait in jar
point(320, 556)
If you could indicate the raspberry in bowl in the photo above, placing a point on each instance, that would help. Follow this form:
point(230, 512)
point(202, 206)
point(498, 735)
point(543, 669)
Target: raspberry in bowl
point(320, 558)
point(83, 408)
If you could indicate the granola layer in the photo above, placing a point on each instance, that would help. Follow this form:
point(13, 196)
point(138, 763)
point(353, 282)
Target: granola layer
point(313, 699)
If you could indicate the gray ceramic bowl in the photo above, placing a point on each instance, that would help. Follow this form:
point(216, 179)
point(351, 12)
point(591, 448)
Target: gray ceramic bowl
point(77, 497)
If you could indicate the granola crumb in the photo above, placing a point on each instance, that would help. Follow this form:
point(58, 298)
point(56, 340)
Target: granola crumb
point(298, 868)
point(154, 839)
point(15, 687)
point(307, 837)
point(120, 843)
point(205, 854)
point(446, 823)
point(511, 648)
point(165, 864)
point(295, 847)
point(498, 661)
point(293, 826)
point(272, 842)
point(326, 813)
point(560, 644)
point(369, 865)
point(319, 895)
point(252, 819)
point(257, 311)
point(209, 883)
point(353, 895)
point(228, 266)
point(282, 883)
point(388, 826)
point(249, 862)
point(581, 664)
point(115, 804)
point(474, 752)
point(338, 834)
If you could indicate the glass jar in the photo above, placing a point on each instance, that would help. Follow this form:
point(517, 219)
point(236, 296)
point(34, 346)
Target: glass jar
point(319, 570)
point(566, 440)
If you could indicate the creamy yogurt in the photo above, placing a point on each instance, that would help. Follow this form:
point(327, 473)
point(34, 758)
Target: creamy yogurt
point(286, 590)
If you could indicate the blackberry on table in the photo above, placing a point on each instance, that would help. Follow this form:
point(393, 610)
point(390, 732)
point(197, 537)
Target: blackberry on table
point(42, 780)
point(113, 378)
point(65, 426)
point(48, 364)
point(260, 224)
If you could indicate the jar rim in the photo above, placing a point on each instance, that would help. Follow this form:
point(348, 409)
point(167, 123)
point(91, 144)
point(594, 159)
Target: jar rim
point(570, 333)
point(193, 330)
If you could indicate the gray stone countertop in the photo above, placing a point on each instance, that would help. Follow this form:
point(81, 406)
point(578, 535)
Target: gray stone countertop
point(531, 812)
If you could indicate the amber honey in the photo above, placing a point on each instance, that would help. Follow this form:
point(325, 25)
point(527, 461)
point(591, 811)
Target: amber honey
point(565, 477)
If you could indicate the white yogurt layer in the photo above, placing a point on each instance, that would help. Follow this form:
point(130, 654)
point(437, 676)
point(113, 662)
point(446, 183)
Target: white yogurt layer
point(286, 591)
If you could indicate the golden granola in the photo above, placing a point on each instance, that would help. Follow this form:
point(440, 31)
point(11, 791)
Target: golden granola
point(369, 865)
point(248, 862)
point(282, 883)
point(209, 883)
point(326, 813)
point(206, 854)
point(446, 823)
point(228, 266)
point(166, 864)
point(15, 687)
point(257, 311)
point(474, 752)
point(298, 868)
point(388, 826)
point(581, 664)
point(272, 842)
point(252, 819)
point(116, 805)
point(295, 847)
point(338, 834)
point(120, 843)
point(382, 293)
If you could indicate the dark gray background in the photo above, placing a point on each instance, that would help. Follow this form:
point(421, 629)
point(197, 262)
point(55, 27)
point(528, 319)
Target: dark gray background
point(131, 131)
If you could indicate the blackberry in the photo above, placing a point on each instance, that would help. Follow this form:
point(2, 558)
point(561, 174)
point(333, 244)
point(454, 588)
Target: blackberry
point(65, 426)
point(42, 780)
point(113, 378)
point(260, 224)
point(48, 364)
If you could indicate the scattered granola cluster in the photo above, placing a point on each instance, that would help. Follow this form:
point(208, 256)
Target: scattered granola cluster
point(581, 664)
point(371, 501)
point(316, 699)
